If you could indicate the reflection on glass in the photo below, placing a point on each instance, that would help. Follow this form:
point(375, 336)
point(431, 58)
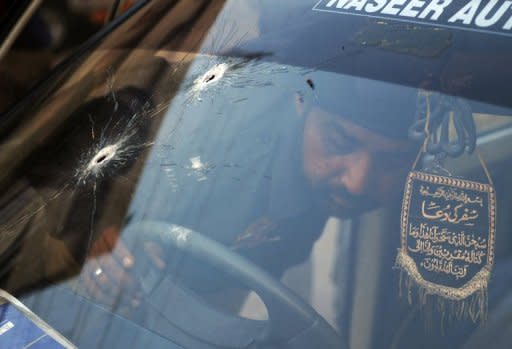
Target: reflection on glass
point(154, 189)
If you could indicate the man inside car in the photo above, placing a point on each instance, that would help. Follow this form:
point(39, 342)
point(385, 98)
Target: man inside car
point(341, 153)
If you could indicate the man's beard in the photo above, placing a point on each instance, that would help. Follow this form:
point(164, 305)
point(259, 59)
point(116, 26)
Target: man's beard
point(339, 202)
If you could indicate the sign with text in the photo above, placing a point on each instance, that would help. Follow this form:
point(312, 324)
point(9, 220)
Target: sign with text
point(448, 228)
point(488, 16)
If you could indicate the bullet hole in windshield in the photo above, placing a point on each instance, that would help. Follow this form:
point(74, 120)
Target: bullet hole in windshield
point(118, 124)
point(210, 78)
point(213, 75)
point(104, 154)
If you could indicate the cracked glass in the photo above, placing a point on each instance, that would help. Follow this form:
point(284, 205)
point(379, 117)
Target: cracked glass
point(225, 174)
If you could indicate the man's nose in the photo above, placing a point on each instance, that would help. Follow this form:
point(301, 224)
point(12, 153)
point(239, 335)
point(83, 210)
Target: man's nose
point(357, 172)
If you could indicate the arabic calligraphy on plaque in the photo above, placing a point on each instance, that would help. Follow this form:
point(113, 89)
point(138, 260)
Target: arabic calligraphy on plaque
point(455, 214)
point(445, 236)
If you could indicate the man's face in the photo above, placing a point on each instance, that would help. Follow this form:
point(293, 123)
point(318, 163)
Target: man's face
point(352, 169)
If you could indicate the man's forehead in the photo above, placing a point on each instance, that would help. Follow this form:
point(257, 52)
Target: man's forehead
point(386, 109)
point(346, 127)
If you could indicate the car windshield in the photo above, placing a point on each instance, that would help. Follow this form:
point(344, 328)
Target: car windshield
point(228, 174)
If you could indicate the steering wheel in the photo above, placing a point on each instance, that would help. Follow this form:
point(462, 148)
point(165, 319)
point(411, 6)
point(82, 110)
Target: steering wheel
point(291, 322)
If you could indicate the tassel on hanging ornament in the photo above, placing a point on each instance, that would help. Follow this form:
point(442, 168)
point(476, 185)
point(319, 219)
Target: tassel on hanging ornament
point(446, 253)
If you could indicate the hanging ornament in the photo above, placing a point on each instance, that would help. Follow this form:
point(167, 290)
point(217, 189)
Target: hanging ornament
point(448, 223)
